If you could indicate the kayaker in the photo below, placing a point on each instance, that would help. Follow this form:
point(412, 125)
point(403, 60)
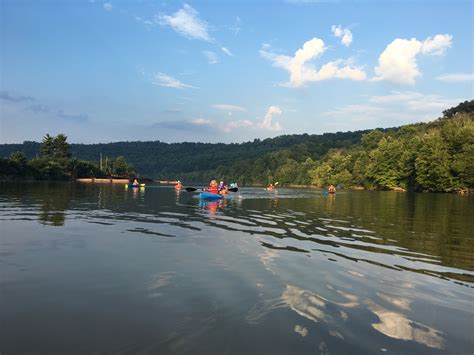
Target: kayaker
point(222, 188)
point(331, 189)
point(270, 187)
point(178, 185)
point(213, 187)
point(135, 182)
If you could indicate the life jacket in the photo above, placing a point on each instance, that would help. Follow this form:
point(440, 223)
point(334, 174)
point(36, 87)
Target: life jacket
point(213, 190)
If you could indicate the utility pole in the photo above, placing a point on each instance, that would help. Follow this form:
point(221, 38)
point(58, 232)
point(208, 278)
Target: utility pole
point(100, 162)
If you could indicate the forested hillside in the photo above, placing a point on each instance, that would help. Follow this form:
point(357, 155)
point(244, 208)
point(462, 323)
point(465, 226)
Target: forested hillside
point(435, 156)
point(195, 160)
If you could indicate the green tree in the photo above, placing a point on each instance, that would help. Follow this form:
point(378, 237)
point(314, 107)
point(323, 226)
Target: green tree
point(386, 164)
point(433, 164)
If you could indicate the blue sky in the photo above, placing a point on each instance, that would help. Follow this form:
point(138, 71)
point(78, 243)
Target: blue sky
point(228, 71)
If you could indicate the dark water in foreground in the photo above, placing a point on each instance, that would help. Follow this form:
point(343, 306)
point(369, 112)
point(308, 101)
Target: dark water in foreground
point(100, 269)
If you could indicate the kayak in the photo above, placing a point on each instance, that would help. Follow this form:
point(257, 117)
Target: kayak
point(210, 196)
point(134, 185)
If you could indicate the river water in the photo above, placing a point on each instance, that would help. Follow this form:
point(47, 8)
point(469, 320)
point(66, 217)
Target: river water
point(102, 269)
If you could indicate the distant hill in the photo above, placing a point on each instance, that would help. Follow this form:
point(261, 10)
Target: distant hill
point(175, 160)
point(434, 156)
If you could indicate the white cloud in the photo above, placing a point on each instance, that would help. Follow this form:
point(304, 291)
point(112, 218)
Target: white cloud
point(456, 77)
point(268, 123)
point(344, 33)
point(108, 6)
point(397, 63)
point(211, 57)
point(396, 108)
point(226, 51)
point(237, 124)
point(436, 45)
point(162, 79)
point(226, 107)
point(237, 27)
point(301, 71)
point(187, 23)
point(201, 122)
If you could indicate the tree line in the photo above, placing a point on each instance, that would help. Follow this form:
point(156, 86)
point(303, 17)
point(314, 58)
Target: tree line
point(54, 161)
point(435, 156)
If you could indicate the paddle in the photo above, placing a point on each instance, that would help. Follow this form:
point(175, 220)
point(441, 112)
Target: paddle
point(191, 189)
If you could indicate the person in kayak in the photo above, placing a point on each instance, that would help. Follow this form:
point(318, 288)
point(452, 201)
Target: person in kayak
point(332, 189)
point(135, 182)
point(270, 187)
point(213, 187)
point(222, 188)
point(178, 185)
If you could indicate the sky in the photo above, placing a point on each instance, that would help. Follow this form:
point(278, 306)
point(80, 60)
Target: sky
point(228, 71)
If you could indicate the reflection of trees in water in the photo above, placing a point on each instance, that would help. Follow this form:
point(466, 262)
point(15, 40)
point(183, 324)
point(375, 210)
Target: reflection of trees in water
point(432, 224)
point(53, 203)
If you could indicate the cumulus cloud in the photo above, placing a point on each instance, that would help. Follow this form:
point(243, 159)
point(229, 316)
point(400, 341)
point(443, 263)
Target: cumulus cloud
point(108, 6)
point(343, 33)
point(268, 120)
point(211, 57)
point(456, 77)
point(187, 23)
point(397, 63)
point(436, 45)
point(162, 79)
point(302, 71)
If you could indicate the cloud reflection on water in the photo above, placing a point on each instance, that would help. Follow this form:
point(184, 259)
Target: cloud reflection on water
point(317, 308)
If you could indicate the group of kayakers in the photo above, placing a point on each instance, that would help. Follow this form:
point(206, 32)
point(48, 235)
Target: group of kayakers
point(222, 187)
point(215, 188)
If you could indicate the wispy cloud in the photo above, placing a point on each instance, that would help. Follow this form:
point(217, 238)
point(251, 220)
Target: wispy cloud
point(397, 108)
point(108, 6)
point(310, 1)
point(31, 104)
point(187, 23)
point(5, 95)
point(268, 123)
point(397, 63)
point(302, 71)
point(226, 51)
point(343, 33)
point(211, 57)
point(227, 107)
point(201, 121)
point(162, 79)
point(237, 26)
point(455, 77)
point(233, 125)
point(193, 125)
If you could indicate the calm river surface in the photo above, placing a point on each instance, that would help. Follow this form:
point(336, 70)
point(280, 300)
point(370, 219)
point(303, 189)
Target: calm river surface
point(89, 269)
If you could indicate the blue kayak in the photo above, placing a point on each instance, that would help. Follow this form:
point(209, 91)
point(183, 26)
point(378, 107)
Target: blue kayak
point(134, 185)
point(210, 196)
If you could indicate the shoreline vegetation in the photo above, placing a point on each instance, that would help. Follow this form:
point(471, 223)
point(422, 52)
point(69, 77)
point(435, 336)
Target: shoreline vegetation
point(435, 157)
